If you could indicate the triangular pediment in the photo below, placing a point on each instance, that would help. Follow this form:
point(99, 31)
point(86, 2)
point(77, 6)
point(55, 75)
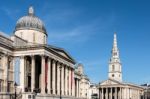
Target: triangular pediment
point(62, 52)
point(110, 82)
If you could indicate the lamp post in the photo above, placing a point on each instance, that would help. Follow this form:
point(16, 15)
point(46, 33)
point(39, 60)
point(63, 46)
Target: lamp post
point(15, 85)
point(60, 81)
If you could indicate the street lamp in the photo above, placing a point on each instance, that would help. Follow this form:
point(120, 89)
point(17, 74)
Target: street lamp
point(60, 81)
point(15, 85)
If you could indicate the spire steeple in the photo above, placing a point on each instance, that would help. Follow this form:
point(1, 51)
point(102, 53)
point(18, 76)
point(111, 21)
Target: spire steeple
point(115, 41)
point(115, 51)
point(114, 63)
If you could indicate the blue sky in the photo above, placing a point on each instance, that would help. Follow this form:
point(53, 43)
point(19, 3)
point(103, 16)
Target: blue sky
point(85, 29)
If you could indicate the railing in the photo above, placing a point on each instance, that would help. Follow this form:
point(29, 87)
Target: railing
point(10, 96)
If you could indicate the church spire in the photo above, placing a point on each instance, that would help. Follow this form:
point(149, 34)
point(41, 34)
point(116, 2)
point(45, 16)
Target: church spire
point(115, 41)
point(115, 71)
point(31, 11)
point(115, 51)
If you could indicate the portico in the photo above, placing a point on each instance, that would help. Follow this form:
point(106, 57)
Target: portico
point(110, 92)
point(40, 72)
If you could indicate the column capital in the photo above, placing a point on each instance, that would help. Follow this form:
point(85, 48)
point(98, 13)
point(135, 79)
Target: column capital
point(22, 56)
point(32, 55)
point(49, 58)
point(54, 61)
point(42, 55)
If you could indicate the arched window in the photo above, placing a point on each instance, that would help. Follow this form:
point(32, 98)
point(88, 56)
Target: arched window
point(113, 68)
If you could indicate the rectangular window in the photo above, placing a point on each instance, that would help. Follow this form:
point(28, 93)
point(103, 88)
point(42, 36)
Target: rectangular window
point(8, 87)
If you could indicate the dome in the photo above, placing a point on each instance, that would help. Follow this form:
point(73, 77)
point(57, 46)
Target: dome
point(30, 22)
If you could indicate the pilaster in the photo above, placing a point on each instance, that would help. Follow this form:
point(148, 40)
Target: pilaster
point(5, 66)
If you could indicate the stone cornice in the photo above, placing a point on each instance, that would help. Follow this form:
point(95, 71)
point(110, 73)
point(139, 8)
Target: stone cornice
point(35, 47)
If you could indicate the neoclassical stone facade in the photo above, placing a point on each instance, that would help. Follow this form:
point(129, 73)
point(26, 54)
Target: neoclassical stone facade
point(82, 82)
point(36, 67)
point(114, 87)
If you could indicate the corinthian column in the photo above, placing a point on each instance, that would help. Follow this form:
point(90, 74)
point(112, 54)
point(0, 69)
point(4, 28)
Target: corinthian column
point(49, 76)
point(69, 75)
point(33, 74)
point(54, 76)
point(62, 79)
point(43, 75)
point(66, 80)
point(73, 83)
point(58, 78)
point(22, 75)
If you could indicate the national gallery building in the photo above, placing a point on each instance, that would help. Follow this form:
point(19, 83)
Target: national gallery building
point(27, 61)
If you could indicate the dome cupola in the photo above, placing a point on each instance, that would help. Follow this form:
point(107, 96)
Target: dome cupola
point(31, 29)
point(30, 22)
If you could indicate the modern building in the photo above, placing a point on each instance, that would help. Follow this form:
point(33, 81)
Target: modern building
point(114, 87)
point(35, 66)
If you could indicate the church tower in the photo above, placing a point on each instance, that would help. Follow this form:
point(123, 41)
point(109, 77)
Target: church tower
point(115, 71)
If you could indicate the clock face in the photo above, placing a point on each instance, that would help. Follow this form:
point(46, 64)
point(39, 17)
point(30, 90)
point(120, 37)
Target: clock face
point(113, 75)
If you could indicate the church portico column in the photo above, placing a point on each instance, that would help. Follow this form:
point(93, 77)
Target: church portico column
point(120, 93)
point(102, 94)
point(43, 74)
point(110, 93)
point(33, 73)
point(106, 93)
point(115, 92)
